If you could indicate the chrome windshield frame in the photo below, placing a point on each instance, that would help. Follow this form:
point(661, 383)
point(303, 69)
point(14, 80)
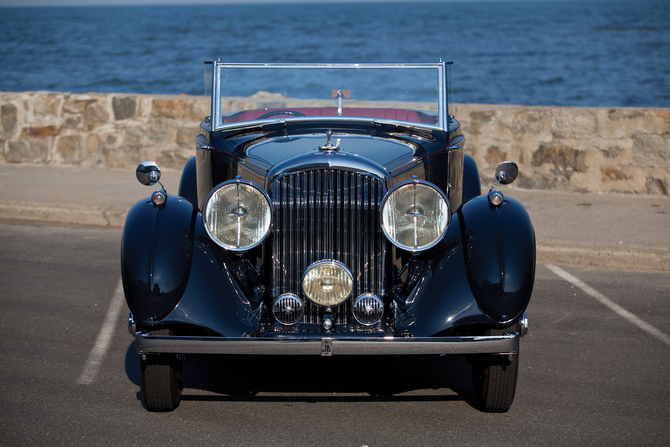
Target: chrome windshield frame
point(443, 97)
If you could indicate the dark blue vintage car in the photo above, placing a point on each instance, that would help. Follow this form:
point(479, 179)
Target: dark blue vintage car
point(336, 215)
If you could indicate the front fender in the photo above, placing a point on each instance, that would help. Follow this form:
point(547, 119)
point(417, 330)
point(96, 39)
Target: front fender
point(499, 248)
point(481, 275)
point(442, 299)
point(156, 256)
point(214, 298)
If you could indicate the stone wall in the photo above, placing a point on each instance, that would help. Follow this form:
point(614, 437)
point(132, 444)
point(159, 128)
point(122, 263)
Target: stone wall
point(589, 149)
point(566, 148)
point(99, 130)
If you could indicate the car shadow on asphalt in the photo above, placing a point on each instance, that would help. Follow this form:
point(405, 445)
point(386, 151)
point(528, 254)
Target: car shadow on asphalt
point(320, 379)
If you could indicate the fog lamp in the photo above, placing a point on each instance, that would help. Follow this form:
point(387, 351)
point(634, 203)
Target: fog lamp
point(327, 283)
point(368, 309)
point(288, 309)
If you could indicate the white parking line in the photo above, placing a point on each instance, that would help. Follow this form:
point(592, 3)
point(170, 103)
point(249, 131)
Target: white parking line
point(611, 304)
point(99, 349)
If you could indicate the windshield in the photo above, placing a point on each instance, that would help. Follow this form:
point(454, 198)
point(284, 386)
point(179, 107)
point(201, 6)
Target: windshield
point(413, 94)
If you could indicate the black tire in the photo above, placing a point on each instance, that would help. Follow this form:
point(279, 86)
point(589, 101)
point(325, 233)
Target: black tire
point(161, 379)
point(494, 377)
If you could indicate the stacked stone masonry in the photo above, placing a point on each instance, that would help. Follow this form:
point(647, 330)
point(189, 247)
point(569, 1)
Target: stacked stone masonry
point(586, 149)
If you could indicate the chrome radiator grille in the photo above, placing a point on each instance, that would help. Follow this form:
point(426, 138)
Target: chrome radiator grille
point(327, 214)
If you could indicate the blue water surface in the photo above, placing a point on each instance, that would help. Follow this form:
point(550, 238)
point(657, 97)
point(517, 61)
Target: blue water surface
point(582, 53)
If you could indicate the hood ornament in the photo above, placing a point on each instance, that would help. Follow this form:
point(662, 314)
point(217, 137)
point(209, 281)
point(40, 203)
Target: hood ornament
point(329, 145)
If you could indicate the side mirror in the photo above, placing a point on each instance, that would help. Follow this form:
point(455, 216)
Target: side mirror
point(148, 173)
point(507, 172)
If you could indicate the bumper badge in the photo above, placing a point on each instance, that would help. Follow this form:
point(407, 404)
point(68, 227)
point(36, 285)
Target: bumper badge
point(326, 347)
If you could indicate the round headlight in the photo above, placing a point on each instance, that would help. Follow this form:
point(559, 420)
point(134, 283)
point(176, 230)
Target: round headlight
point(327, 283)
point(237, 215)
point(415, 215)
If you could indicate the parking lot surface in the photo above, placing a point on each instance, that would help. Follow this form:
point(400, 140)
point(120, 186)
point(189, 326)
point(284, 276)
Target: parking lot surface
point(591, 374)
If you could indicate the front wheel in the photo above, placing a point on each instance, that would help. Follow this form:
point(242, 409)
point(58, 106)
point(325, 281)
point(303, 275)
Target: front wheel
point(161, 379)
point(494, 377)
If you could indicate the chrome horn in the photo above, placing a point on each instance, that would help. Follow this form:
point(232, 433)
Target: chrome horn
point(506, 173)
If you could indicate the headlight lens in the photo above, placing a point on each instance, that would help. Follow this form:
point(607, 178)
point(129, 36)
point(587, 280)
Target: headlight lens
point(237, 215)
point(415, 215)
point(327, 283)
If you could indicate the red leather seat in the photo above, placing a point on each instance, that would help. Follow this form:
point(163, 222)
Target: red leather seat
point(387, 113)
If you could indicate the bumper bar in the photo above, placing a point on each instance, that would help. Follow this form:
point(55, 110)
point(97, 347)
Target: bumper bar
point(499, 344)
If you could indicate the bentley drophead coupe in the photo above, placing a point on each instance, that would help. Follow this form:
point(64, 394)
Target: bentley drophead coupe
point(329, 210)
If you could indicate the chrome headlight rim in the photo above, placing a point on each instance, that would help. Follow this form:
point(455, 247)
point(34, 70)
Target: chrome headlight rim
point(415, 181)
point(327, 262)
point(216, 240)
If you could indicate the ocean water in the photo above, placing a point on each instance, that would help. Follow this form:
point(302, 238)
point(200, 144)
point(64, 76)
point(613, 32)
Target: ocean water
point(581, 53)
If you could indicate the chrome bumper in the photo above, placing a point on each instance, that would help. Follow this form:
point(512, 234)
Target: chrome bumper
point(146, 343)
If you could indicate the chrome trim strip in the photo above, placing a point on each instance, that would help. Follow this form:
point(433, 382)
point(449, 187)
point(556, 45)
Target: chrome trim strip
point(216, 97)
point(442, 97)
point(329, 65)
point(498, 344)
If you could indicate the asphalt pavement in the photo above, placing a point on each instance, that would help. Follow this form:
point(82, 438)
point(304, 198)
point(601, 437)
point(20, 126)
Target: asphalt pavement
point(593, 367)
point(606, 230)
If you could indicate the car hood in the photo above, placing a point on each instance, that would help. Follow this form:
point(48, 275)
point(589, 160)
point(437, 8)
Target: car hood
point(371, 153)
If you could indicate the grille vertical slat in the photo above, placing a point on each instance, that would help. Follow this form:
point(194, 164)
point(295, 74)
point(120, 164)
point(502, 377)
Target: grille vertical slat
point(356, 230)
point(345, 218)
point(366, 221)
point(381, 248)
point(331, 217)
point(285, 227)
point(327, 214)
point(290, 204)
point(311, 214)
point(355, 218)
point(338, 214)
point(303, 224)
